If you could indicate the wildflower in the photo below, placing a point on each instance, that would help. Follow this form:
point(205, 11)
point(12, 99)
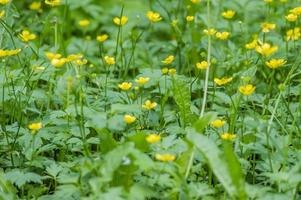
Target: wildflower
point(165, 157)
point(267, 27)
point(109, 60)
point(26, 36)
point(211, 31)
point(252, 45)
point(218, 123)
point(58, 62)
point(35, 6)
point(275, 63)
point(168, 60)
point(4, 53)
point(229, 14)
point(222, 35)
point(291, 17)
point(247, 89)
point(35, 127)
point(189, 18)
point(52, 56)
point(228, 136)
point(84, 23)
point(293, 34)
point(53, 2)
point(129, 119)
point(202, 65)
point(3, 2)
point(142, 80)
point(125, 86)
point(266, 49)
point(81, 61)
point(153, 16)
point(222, 81)
point(102, 38)
point(195, 1)
point(296, 11)
point(149, 105)
point(153, 138)
point(172, 71)
point(164, 70)
point(74, 57)
point(2, 13)
point(120, 21)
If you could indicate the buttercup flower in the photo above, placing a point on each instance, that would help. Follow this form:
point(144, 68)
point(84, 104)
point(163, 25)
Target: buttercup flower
point(202, 65)
point(165, 157)
point(3, 2)
point(218, 123)
point(84, 23)
point(247, 89)
point(293, 34)
point(51, 56)
point(296, 11)
point(252, 45)
point(266, 49)
point(228, 136)
point(222, 81)
point(172, 71)
point(222, 35)
point(109, 60)
point(152, 138)
point(142, 80)
point(229, 14)
point(164, 71)
point(53, 2)
point(267, 27)
point(168, 60)
point(125, 86)
point(120, 21)
point(211, 31)
point(102, 38)
point(35, 127)
point(149, 105)
point(35, 6)
point(26, 36)
point(58, 62)
point(153, 16)
point(129, 119)
point(189, 18)
point(275, 63)
point(291, 17)
point(4, 53)
point(195, 1)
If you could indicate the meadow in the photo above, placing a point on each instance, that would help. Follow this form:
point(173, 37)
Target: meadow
point(150, 99)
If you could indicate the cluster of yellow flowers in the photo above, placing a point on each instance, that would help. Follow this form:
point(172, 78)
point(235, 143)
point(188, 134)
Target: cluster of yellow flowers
point(4, 53)
point(219, 35)
point(58, 61)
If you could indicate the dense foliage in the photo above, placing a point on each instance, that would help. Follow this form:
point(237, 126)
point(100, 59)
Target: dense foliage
point(150, 99)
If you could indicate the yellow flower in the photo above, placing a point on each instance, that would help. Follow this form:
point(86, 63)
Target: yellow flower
point(202, 65)
point(222, 81)
point(267, 27)
point(228, 136)
point(142, 80)
point(58, 62)
point(172, 71)
point(149, 105)
point(81, 61)
point(229, 14)
point(296, 11)
point(4, 53)
point(153, 138)
point(189, 18)
point(275, 63)
point(291, 17)
point(109, 60)
point(195, 1)
point(293, 34)
point(52, 56)
point(53, 2)
point(74, 57)
point(168, 60)
point(3, 2)
point(84, 23)
point(164, 70)
point(252, 45)
point(26, 36)
point(34, 127)
point(102, 38)
point(120, 22)
point(222, 35)
point(2, 13)
point(125, 86)
point(129, 119)
point(218, 123)
point(266, 49)
point(211, 31)
point(165, 157)
point(247, 89)
point(35, 6)
point(153, 16)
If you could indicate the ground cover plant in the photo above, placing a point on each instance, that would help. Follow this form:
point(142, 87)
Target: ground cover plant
point(150, 99)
